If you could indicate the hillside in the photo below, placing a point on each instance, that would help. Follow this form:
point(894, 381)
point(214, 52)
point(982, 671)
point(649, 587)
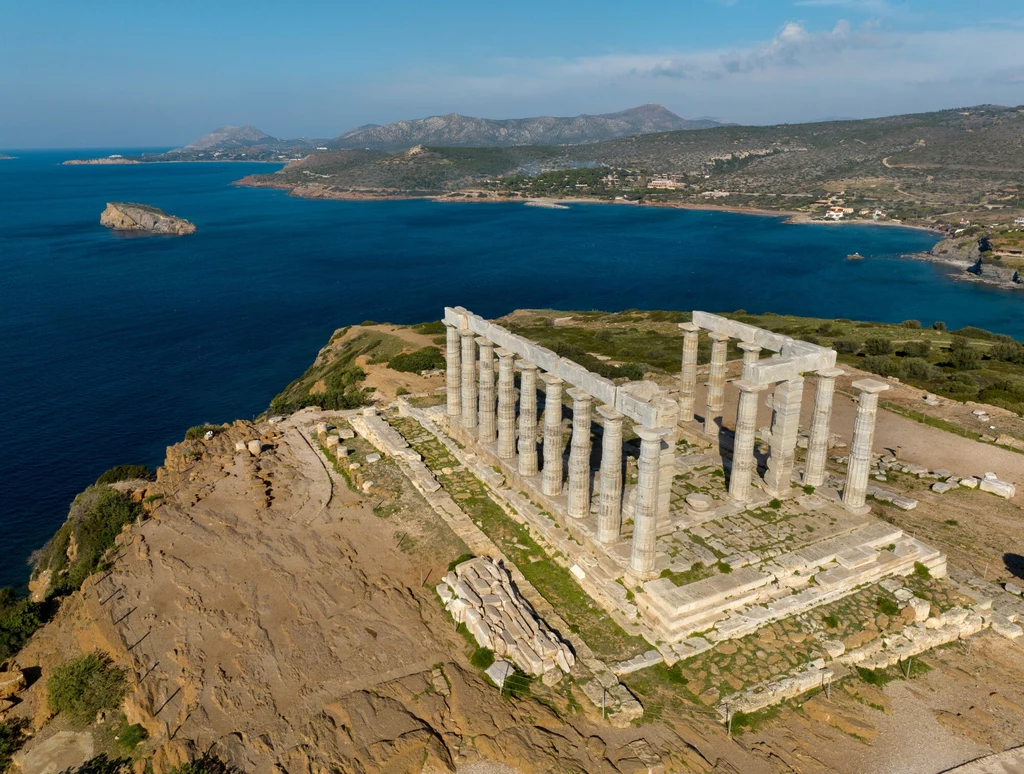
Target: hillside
point(928, 168)
point(466, 131)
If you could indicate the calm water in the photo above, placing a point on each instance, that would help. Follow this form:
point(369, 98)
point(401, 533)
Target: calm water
point(111, 346)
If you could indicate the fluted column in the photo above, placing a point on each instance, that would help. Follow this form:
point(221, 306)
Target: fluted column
point(751, 353)
point(821, 426)
point(609, 507)
point(855, 491)
point(486, 432)
point(716, 383)
point(528, 419)
point(743, 444)
point(453, 376)
point(645, 515)
point(579, 455)
point(552, 484)
point(785, 426)
point(688, 376)
point(469, 386)
point(506, 404)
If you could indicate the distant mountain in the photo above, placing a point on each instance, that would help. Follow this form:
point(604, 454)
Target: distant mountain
point(465, 131)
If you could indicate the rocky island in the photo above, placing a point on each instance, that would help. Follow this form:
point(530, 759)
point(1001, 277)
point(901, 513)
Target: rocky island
point(4, 156)
point(123, 216)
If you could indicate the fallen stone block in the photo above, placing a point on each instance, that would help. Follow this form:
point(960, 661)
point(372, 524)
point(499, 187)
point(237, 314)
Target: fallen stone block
point(500, 671)
point(1004, 628)
point(375, 457)
point(254, 447)
point(1003, 489)
point(943, 486)
point(970, 482)
point(1013, 588)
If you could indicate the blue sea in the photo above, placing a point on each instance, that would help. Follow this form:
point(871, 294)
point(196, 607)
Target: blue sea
point(111, 346)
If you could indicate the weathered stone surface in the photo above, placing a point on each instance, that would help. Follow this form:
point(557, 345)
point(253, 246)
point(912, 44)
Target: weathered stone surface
point(122, 216)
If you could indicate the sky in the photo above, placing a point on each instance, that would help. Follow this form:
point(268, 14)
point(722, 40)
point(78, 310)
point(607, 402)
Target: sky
point(106, 74)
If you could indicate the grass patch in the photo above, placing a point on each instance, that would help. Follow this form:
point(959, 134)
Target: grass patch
point(876, 677)
point(831, 621)
point(922, 572)
point(754, 721)
point(456, 562)
point(697, 572)
point(125, 473)
point(128, 737)
point(888, 606)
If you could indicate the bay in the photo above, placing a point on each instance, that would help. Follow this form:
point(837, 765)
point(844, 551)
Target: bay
point(111, 346)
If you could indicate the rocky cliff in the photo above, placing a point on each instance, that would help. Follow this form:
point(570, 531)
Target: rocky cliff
point(121, 216)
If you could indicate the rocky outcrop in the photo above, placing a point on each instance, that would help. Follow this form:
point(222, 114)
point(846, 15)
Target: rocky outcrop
point(971, 257)
point(140, 217)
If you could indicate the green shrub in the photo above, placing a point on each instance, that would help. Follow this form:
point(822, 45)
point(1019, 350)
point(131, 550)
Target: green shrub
point(831, 621)
point(884, 365)
point(911, 324)
point(128, 737)
point(482, 658)
point(401, 391)
point(95, 521)
point(888, 606)
point(19, 619)
point(208, 764)
point(939, 325)
point(125, 473)
point(1008, 352)
point(962, 356)
point(876, 345)
point(198, 432)
point(920, 571)
point(846, 346)
point(424, 359)
point(917, 348)
point(430, 328)
point(919, 369)
point(103, 764)
point(876, 677)
point(808, 489)
point(12, 736)
point(84, 686)
point(776, 503)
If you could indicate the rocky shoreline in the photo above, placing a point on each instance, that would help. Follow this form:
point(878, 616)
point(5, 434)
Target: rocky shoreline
point(967, 264)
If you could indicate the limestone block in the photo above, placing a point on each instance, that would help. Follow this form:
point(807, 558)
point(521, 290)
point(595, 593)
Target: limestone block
point(943, 486)
point(904, 503)
point(254, 447)
point(565, 658)
point(491, 599)
point(1013, 588)
point(479, 630)
point(834, 648)
point(445, 593)
point(954, 616)
point(464, 590)
point(331, 441)
point(942, 472)
point(1004, 628)
point(970, 482)
point(367, 486)
point(903, 595)
point(320, 428)
point(499, 671)
point(375, 457)
point(527, 657)
point(1002, 489)
point(699, 503)
point(922, 609)
point(458, 609)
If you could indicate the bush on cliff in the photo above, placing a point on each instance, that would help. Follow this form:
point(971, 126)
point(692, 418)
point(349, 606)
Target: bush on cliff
point(125, 473)
point(82, 687)
point(916, 348)
point(95, 520)
point(425, 359)
point(876, 345)
point(19, 618)
point(208, 764)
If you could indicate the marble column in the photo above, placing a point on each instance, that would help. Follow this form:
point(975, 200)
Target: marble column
point(486, 432)
point(609, 507)
point(688, 376)
point(453, 376)
point(528, 419)
point(716, 383)
point(856, 489)
point(506, 404)
point(821, 426)
point(579, 455)
point(552, 484)
point(743, 463)
point(785, 426)
point(645, 516)
point(751, 354)
point(469, 376)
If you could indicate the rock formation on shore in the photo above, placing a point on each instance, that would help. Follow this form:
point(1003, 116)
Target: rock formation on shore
point(121, 216)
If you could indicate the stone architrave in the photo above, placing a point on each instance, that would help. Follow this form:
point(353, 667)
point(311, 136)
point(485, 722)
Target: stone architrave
point(579, 454)
point(716, 383)
point(645, 515)
point(751, 354)
point(855, 491)
point(453, 375)
point(609, 507)
point(743, 445)
point(552, 484)
point(688, 375)
point(528, 419)
point(506, 404)
point(469, 377)
point(486, 431)
point(785, 426)
point(821, 426)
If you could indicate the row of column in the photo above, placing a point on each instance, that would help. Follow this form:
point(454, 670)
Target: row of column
point(474, 402)
point(786, 404)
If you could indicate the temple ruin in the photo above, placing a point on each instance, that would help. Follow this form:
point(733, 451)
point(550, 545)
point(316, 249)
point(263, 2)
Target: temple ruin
point(667, 517)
